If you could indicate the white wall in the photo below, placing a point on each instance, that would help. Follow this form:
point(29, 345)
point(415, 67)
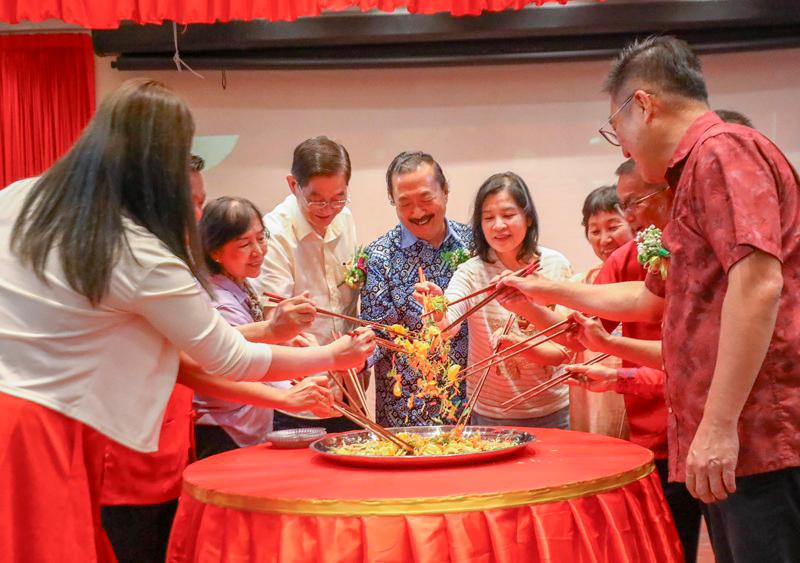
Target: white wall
point(539, 120)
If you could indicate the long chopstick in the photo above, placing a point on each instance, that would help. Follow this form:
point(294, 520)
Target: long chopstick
point(550, 383)
point(486, 289)
point(500, 358)
point(388, 344)
point(532, 267)
point(521, 343)
point(366, 423)
point(362, 395)
point(372, 427)
point(372, 324)
point(343, 386)
point(355, 381)
point(473, 400)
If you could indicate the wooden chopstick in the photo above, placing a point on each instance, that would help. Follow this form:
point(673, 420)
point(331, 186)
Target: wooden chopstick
point(362, 395)
point(343, 385)
point(372, 427)
point(473, 400)
point(488, 359)
point(532, 267)
point(505, 357)
point(489, 287)
point(372, 324)
point(388, 344)
point(355, 381)
point(366, 423)
point(550, 383)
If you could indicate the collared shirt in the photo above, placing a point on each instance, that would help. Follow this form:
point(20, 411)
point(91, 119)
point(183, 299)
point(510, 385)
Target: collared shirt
point(735, 192)
point(516, 374)
point(245, 424)
point(111, 366)
point(392, 271)
point(647, 412)
point(299, 259)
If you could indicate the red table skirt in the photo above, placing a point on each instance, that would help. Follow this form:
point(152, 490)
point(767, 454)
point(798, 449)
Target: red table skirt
point(629, 524)
point(568, 497)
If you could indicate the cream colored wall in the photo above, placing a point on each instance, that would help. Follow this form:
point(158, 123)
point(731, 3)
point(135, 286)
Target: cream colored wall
point(539, 120)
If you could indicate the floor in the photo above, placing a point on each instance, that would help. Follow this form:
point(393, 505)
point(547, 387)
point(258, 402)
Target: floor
point(704, 553)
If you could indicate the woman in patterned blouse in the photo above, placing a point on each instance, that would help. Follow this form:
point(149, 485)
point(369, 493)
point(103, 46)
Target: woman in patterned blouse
point(506, 228)
point(235, 242)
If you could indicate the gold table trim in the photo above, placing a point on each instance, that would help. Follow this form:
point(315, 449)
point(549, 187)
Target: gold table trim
point(421, 505)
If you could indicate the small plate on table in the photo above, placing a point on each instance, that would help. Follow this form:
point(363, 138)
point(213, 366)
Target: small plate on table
point(294, 438)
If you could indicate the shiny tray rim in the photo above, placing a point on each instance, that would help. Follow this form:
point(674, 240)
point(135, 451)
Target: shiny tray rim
point(523, 439)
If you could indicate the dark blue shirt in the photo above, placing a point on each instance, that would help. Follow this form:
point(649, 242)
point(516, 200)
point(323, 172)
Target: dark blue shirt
point(392, 271)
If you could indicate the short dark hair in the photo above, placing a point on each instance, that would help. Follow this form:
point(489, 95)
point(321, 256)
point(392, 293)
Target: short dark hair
point(196, 163)
point(731, 116)
point(600, 199)
point(663, 61)
point(225, 219)
point(131, 160)
point(406, 162)
point(320, 156)
point(518, 189)
point(627, 167)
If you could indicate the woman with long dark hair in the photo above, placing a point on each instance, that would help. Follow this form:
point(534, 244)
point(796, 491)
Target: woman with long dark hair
point(98, 296)
point(506, 229)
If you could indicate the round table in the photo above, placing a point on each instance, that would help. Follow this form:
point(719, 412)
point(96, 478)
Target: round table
point(568, 496)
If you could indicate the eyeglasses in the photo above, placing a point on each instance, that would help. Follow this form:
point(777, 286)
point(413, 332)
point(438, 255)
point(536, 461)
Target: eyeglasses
point(627, 206)
point(607, 130)
point(336, 204)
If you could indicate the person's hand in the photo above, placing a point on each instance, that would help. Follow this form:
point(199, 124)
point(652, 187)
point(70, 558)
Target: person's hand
point(514, 301)
point(534, 288)
point(353, 349)
point(590, 332)
point(303, 340)
point(312, 393)
point(711, 463)
point(501, 341)
point(427, 289)
point(292, 316)
point(596, 377)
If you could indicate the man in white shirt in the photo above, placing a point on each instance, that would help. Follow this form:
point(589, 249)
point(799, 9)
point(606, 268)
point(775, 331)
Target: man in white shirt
point(313, 235)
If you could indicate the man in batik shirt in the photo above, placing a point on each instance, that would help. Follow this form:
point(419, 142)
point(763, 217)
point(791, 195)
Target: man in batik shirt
point(425, 239)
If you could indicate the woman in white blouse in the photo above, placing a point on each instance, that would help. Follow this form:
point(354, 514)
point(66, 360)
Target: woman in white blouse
point(506, 228)
point(98, 297)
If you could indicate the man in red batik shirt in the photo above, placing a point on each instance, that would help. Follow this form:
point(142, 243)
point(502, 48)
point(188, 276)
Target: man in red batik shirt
point(640, 380)
point(731, 316)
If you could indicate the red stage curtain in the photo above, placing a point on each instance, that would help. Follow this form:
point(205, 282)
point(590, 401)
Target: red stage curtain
point(46, 98)
point(107, 15)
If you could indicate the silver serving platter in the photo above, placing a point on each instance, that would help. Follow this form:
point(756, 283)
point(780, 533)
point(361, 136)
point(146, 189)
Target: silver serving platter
point(516, 438)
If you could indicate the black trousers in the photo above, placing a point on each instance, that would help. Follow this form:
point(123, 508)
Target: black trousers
point(686, 512)
point(283, 421)
point(760, 522)
point(212, 440)
point(139, 533)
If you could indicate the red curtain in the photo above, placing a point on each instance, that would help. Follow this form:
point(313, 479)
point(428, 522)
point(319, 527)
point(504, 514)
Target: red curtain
point(108, 14)
point(46, 99)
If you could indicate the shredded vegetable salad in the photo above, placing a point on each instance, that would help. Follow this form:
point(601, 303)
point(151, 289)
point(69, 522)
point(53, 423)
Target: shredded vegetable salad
point(429, 355)
point(443, 444)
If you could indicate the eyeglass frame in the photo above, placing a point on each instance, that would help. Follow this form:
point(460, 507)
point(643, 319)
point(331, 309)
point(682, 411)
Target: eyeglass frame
point(611, 136)
point(337, 204)
point(626, 207)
